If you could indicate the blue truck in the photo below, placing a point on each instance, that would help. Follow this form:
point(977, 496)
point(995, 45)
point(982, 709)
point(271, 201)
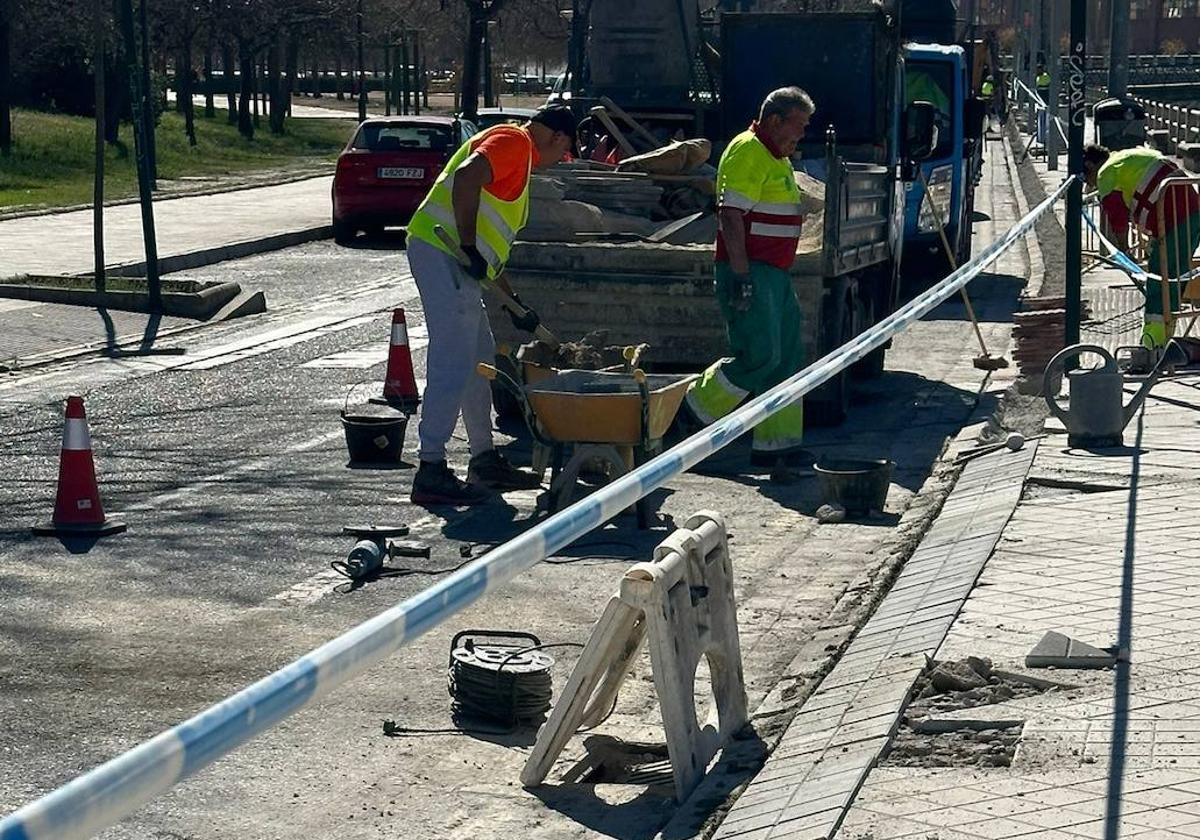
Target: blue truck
point(938, 69)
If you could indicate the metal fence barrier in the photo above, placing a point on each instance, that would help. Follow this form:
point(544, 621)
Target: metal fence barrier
point(103, 796)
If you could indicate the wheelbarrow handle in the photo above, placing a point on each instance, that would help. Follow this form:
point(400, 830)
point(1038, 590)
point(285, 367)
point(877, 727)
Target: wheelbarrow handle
point(494, 374)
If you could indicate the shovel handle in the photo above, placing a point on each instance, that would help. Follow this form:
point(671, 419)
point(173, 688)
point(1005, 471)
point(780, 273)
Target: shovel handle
point(506, 300)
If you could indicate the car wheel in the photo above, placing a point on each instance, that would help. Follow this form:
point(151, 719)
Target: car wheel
point(343, 233)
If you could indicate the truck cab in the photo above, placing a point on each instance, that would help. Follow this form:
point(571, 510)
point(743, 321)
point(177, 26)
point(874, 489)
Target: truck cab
point(942, 195)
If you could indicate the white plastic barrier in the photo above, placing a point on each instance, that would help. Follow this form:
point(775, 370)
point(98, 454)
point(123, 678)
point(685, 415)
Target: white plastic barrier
point(103, 796)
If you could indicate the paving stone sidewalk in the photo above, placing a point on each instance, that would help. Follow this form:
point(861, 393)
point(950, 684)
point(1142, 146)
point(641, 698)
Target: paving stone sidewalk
point(1112, 753)
point(61, 243)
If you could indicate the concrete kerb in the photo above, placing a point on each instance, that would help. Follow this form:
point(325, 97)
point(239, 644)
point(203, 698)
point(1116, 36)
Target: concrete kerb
point(223, 307)
point(701, 814)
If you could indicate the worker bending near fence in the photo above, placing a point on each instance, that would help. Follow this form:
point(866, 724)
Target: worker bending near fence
point(482, 200)
point(759, 215)
point(1126, 182)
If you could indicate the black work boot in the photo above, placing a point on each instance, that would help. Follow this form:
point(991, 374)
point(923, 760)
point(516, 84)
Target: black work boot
point(436, 484)
point(493, 470)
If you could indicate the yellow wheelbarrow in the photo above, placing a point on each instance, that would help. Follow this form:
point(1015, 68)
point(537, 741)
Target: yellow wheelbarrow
point(582, 417)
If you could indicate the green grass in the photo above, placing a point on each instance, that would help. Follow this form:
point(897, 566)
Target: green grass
point(52, 157)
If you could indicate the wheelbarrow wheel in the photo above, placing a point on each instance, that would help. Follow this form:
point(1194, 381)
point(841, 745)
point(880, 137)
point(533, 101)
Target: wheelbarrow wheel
point(508, 407)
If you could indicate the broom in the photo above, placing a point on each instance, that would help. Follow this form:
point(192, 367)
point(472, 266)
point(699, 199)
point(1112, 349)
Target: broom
point(984, 361)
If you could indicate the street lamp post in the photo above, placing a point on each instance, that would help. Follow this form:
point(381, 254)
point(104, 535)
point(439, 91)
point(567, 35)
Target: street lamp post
point(1077, 68)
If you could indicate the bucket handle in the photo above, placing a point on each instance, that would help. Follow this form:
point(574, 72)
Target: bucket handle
point(1060, 360)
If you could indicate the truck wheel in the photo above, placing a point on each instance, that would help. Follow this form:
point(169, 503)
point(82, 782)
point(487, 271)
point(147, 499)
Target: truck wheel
point(829, 404)
point(871, 365)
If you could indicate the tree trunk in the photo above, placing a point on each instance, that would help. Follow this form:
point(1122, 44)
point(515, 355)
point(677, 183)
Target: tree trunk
point(99, 68)
point(337, 76)
point(414, 80)
point(275, 85)
point(405, 76)
point(254, 90)
point(5, 79)
point(209, 110)
point(116, 89)
point(245, 121)
point(316, 84)
point(291, 59)
point(185, 92)
point(148, 99)
point(388, 93)
point(227, 79)
point(476, 25)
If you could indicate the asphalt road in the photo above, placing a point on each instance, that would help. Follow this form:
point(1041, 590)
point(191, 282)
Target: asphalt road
point(229, 465)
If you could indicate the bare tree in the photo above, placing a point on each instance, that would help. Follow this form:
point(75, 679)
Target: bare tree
point(6, 15)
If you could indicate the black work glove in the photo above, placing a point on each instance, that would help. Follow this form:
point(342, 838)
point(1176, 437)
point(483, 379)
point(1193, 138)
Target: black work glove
point(741, 292)
point(478, 268)
point(528, 322)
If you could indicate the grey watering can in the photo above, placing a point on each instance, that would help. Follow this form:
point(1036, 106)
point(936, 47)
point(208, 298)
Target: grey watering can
point(1097, 415)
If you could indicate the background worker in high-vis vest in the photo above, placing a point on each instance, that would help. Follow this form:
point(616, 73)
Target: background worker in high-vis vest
point(759, 216)
point(1125, 182)
point(482, 200)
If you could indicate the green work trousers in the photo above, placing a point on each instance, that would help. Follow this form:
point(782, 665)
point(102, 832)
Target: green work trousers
point(766, 346)
point(1169, 257)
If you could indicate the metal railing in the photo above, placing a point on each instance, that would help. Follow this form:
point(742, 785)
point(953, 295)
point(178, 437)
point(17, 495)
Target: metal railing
point(103, 796)
point(1181, 123)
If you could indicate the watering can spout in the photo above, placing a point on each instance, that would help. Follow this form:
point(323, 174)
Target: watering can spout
point(1171, 354)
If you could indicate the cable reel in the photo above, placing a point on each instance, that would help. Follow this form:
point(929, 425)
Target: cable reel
point(504, 683)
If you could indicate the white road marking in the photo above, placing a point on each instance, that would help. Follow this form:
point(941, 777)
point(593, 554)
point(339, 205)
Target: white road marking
point(365, 357)
point(266, 342)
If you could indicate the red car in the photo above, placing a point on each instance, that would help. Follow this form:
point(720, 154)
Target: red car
point(387, 168)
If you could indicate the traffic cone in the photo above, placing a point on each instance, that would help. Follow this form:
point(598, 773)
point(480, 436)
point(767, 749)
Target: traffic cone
point(77, 510)
point(400, 386)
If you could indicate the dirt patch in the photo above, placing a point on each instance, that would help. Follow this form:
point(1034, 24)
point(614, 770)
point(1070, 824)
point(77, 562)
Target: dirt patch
point(592, 352)
point(928, 739)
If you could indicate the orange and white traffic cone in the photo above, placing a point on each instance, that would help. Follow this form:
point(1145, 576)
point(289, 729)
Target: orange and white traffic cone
point(400, 385)
point(77, 509)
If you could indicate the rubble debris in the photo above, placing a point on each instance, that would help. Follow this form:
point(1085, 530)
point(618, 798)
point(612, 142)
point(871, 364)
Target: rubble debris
point(928, 738)
point(592, 352)
point(676, 158)
point(696, 229)
point(966, 747)
point(831, 514)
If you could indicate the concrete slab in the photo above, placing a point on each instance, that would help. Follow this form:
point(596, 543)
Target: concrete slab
point(1056, 650)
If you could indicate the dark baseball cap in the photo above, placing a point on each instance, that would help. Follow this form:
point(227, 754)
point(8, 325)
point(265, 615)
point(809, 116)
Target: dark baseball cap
point(557, 118)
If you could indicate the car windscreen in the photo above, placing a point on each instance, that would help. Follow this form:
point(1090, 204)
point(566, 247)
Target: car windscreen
point(397, 137)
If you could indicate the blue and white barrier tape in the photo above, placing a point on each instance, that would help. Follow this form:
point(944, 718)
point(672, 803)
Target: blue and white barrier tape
point(1034, 95)
point(103, 796)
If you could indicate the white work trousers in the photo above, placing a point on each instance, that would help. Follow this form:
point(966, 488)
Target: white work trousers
point(459, 338)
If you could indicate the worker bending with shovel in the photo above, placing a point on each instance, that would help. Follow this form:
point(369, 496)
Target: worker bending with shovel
point(458, 239)
point(759, 215)
point(1125, 182)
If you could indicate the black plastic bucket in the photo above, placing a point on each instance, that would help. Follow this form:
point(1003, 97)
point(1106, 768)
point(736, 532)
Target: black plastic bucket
point(858, 485)
point(374, 438)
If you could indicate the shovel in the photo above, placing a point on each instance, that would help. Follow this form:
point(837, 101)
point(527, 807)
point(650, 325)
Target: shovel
point(506, 300)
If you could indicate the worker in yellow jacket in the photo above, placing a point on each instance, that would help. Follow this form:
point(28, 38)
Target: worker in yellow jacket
point(1129, 184)
point(759, 216)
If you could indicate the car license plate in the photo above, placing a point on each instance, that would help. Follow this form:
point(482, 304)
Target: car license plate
point(410, 173)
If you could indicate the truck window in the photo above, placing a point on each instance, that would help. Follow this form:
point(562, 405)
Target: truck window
point(934, 83)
